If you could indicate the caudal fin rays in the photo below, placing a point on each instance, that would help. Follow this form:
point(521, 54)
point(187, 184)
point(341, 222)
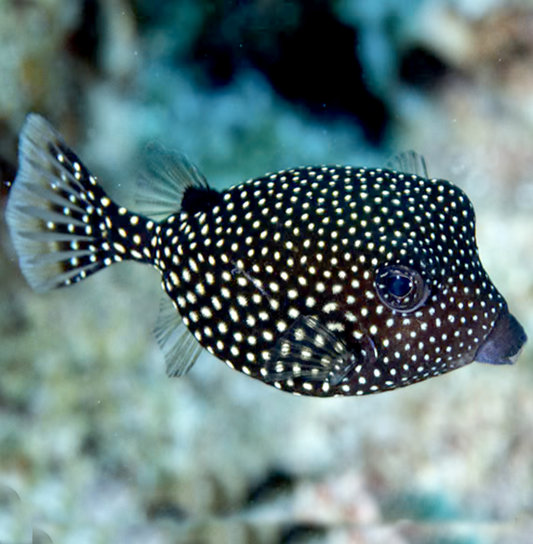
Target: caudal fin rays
point(51, 211)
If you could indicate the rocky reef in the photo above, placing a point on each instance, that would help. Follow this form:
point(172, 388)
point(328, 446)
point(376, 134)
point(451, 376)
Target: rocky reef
point(96, 443)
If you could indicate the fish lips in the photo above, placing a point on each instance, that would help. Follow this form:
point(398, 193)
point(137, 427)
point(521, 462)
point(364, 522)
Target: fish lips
point(505, 342)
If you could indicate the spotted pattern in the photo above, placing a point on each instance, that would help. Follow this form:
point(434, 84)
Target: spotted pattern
point(308, 242)
point(323, 280)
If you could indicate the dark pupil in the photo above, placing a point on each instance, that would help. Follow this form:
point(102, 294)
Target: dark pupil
point(398, 286)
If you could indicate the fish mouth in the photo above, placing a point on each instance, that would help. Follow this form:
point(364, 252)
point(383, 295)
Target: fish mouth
point(505, 342)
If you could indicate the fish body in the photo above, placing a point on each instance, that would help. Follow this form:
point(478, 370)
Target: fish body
point(322, 280)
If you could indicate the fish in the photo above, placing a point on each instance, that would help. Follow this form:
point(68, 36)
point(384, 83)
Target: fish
point(319, 280)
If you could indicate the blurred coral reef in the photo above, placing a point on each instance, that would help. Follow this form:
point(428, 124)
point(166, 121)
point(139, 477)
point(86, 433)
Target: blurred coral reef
point(96, 443)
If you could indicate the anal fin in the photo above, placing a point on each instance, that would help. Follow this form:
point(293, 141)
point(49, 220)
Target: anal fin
point(179, 347)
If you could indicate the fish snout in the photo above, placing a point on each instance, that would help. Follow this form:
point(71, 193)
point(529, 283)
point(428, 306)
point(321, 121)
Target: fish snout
point(504, 343)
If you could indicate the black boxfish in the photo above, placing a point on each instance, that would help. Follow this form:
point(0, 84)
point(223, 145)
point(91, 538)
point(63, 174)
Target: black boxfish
point(321, 280)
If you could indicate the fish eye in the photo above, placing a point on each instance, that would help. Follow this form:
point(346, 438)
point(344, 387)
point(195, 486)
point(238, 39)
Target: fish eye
point(401, 288)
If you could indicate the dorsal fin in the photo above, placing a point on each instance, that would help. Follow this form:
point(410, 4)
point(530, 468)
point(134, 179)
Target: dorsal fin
point(408, 162)
point(165, 178)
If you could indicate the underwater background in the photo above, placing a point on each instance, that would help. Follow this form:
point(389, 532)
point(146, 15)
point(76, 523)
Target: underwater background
point(97, 445)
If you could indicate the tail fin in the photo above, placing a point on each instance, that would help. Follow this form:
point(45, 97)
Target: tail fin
point(63, 225)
